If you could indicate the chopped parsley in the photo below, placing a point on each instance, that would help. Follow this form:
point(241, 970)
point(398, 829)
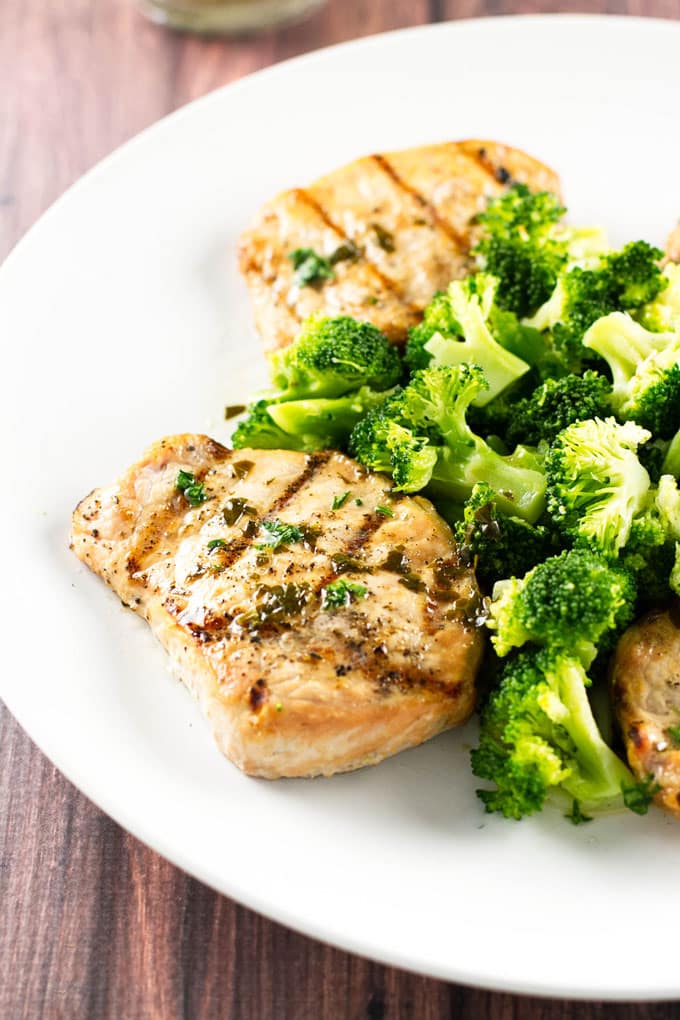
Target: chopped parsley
point(576, 816)
point(216, 543)
point(674, 734)
point(231, 410)
point(309, 267)
point(385, 511)
point(384, 238)
point(276, 534)
point(342, 593)
point(340, 500)
point(194, 492)
point(638, 796)
point(347, 252)
point(359, 502)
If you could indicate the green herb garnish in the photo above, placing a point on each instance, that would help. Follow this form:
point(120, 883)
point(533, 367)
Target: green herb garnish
point(674, 734)
point(384, 238)
point(216, 543)
point(194, 492)
point(576, 816)
point(385, 511)
point(340, 500)
point(347, 252)
point(359, 502)
point(638, 796)
point(231, 410)
point(309, 267)
point(342, 593)
point(277, 533)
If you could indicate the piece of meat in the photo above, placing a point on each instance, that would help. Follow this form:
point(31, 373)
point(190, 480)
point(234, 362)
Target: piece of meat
point(290, 686)
point(673, 245)
point(406, 215)
point(646, 679)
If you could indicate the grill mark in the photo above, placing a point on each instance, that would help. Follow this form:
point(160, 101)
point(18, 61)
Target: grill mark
point(407, 681)
point(371, 525)
point(370, 664)
point(374, 665)
point(315, 461)
point(387, 282)
point(218, 627)
point(447, 228)
point(150, 534)
point(480, 157)
point(237, 549)
point(359, 651)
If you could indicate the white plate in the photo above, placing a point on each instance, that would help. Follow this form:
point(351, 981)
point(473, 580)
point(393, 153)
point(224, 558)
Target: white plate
point(123, 318)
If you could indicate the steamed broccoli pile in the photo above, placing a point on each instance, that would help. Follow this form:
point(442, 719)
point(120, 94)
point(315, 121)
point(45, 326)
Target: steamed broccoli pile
point(538, 406)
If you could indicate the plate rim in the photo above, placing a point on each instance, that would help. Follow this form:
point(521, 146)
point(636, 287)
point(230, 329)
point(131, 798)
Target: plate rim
point(118, 812)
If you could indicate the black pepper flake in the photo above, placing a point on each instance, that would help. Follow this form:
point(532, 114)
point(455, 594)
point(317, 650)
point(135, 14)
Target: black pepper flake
point(258, 694)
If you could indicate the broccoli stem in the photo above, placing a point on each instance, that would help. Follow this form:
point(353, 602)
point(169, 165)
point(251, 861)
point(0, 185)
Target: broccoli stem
point(325, 417)
point(519, 491)
point(601, 772)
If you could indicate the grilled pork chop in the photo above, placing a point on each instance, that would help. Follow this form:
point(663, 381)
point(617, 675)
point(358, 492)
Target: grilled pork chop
point(397, 228)
point(646, 675)
point(350, 640)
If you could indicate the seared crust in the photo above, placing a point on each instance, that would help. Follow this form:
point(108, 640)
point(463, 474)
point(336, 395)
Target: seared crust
point(409, 217)
point(308, 691)
point(646, 678)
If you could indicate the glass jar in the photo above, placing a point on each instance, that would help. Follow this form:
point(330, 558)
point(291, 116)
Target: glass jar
point(226, 17)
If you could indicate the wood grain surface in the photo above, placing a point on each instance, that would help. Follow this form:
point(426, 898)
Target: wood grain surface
point(93, 924)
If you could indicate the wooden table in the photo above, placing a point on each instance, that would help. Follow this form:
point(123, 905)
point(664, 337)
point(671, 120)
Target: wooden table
point(92, 924)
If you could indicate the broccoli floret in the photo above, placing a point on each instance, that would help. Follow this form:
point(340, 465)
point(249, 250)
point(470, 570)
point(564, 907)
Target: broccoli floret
point(499, 546)
point(518, 245)
point(649, 555)
point(518, 210)
point(671, 461)
point(556, 404)
point(538, 735)
point(335, 371)
point(332, 356)
point(437, 318)
point(571, 601)
point(635, 274)
point(308, 425)
point(650, 552)
point(596, 484)
point(421, 437)
point(466, 335)
point(645, 369)
point(653, 456)
point(667, 505)
point(663, 313)
point(471, 302)
point(618, 281)
point(383, 443)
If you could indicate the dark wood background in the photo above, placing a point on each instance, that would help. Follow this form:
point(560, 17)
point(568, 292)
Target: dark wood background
point(92, 924)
